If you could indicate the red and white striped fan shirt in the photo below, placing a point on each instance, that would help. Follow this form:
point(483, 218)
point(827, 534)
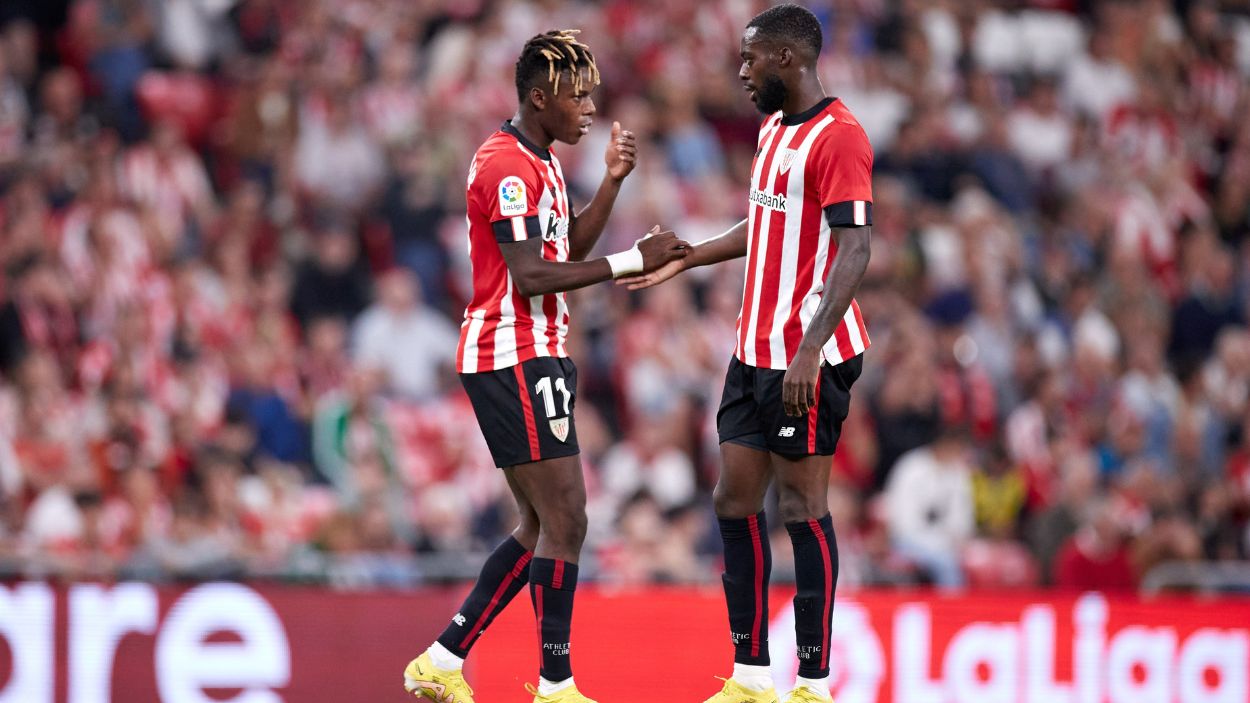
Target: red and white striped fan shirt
point(516, 192)
point(811, 171)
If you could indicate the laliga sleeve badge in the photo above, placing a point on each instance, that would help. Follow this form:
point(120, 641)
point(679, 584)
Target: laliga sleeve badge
point(560, 428)
point(512, 197)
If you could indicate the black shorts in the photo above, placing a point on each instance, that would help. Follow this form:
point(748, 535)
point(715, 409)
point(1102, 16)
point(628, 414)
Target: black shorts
point(751, 412)
point(526, 411)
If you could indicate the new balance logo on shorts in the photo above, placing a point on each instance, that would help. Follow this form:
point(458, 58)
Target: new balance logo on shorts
point(786, 432)
point(459, 620)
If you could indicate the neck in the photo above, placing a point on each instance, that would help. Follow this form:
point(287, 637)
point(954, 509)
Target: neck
point(805, 96)
point(527, 124)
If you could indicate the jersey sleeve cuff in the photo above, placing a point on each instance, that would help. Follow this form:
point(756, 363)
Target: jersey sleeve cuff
point(516, 229)
point(849, 213)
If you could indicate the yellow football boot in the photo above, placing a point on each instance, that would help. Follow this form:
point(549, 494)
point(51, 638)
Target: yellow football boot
point(734, 692)
point(569, 694)
point(424, 680)
point(803, 694)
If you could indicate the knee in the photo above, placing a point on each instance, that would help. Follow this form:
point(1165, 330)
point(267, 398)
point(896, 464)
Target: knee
point(729, 503)
point(568, 530)
point(527, 531)
point(798, 505)
point(528, 522)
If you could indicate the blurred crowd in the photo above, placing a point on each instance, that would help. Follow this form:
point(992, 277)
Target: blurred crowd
point(233, 266)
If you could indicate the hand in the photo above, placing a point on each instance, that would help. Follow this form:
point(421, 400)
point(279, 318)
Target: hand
point(655, 278)
point(660, 248)
point(798, 388)
point(622, 153)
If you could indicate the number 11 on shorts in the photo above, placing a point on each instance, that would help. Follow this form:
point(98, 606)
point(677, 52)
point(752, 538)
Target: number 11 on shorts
point(543, 389)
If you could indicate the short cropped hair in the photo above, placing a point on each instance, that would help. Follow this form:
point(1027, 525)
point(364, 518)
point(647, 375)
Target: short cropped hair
point(790, 23)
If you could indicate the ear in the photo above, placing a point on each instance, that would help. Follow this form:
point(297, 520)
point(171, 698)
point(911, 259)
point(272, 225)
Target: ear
point(538, 98)
point(785, 56)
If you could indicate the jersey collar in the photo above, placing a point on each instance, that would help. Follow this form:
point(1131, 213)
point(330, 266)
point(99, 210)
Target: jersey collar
point(800, 118)
point(544, 154)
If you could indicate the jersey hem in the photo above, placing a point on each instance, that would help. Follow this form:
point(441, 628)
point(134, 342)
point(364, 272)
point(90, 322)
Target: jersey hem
point(823, 357)
point(521, 357)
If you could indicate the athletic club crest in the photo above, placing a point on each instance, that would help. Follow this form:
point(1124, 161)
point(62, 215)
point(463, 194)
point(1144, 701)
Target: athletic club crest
point(560, 428)
point(787, 158)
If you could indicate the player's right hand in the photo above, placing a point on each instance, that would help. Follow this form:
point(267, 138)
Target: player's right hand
point(661, 248)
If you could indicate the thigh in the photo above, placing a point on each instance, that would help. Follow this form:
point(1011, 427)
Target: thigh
point(743, 481)
point(526, 411)
point(818, 431)
point(802, 486)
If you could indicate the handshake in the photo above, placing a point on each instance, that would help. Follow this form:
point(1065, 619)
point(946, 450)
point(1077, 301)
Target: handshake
point(657, 252)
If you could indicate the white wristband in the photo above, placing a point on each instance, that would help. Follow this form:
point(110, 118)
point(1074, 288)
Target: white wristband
point(625, 262)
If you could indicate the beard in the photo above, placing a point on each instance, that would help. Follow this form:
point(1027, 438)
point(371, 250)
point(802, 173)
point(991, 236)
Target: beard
point(771, 95)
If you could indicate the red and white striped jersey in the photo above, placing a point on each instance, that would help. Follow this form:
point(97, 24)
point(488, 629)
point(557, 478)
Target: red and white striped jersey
point(812, 171)
point(516, 192)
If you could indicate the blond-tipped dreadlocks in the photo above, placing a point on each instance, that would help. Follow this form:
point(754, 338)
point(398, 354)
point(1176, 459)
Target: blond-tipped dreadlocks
point(557, 51)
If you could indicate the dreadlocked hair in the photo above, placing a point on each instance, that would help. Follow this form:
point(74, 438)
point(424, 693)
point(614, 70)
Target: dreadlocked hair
point(554, 53)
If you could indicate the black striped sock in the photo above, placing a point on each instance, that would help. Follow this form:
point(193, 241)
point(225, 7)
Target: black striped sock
point(552, 585)
point(748, 564)
point(504, 574)
point(816, 575)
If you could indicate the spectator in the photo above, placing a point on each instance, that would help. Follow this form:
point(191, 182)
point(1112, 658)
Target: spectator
point(259, 131)
point(906, 411)
point(165, 177)
point(333, 282)
point(999, 493)
point(414, 206)
point(113, 34)
point(338, 165)
point(1095, 82)
point(1040, 133)
point(191, 550)
point(412, 344)
point(1050, 529)
point(1096, 557)
point(14, 116)
point(648, 459)
point(1210, 305)
point(354, 448)
point(270, 410)
point(38, 315)
point(929, 506)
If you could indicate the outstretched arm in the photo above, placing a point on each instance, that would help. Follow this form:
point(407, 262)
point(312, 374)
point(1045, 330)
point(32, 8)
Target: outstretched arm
point(533, 275)
point(798, 388)
point(730, 244)
point(588, 224)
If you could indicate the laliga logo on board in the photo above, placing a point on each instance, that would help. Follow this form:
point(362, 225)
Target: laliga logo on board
point(1014, 661)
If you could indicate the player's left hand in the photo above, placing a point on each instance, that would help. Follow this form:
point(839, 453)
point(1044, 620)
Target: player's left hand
point(798, 388)
point(622, 152)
